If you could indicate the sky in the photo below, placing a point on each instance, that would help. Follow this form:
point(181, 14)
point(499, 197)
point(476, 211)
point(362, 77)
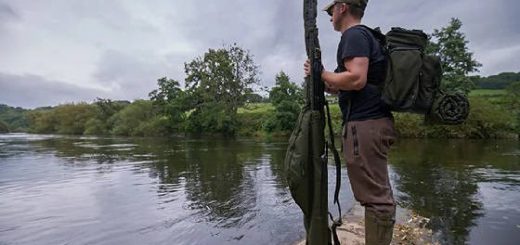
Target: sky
point(68, 51)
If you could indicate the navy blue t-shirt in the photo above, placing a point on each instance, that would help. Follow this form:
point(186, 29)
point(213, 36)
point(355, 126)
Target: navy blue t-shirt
point(366, 103)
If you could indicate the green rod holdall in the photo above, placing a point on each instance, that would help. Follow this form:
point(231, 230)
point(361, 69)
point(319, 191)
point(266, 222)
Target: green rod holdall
point(306, 157)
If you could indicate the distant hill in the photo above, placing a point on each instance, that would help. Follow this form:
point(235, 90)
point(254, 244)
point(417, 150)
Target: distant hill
point(14, 118)
point(499, 81)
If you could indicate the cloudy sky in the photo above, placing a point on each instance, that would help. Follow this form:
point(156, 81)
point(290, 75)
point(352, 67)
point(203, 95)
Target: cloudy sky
point(60, 51)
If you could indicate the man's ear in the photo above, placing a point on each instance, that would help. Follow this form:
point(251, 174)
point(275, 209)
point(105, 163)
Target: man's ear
point(344, 8)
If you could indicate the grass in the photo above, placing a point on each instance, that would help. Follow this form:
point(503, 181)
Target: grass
point(488, 92)
point(489, 118)
point(494, 96)
point(256, 108)
point(252, 118)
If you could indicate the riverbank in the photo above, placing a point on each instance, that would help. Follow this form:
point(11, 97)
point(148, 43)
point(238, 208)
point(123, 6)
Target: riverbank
point(491, 117)
point(410, 228)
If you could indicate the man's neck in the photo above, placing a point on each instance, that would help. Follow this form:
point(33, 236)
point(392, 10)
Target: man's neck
point(349, 23)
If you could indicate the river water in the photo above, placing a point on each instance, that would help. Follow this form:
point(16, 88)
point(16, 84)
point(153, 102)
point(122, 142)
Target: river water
point(90, 190)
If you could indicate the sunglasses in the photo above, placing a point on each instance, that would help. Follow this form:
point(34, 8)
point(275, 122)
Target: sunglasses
point(331, 9)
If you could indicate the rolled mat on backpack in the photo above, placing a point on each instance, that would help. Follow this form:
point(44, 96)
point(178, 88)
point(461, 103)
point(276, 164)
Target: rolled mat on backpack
point(448, 108)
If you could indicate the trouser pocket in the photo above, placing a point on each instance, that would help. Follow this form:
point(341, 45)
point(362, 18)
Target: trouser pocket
point(355, 141)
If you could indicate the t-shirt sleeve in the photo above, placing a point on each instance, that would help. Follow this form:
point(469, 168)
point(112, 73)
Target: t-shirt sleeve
point(354, 44)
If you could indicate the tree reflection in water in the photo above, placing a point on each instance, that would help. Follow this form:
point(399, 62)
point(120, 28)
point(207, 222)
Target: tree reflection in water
point(439, 180)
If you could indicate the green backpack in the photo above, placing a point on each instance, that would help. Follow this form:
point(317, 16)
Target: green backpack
point(413, 78)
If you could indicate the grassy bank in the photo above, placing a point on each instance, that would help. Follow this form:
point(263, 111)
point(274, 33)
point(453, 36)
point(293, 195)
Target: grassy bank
point(489, 118)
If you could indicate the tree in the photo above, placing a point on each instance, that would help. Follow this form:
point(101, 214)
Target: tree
point(513, 97)
point(72, 118)
point(171, 101)
point(3, 127)
point(219, 82)
point(499, 81)
point(254, 98)
point(137, 119)
point(286, 98)
point(101, 123)
point(14, 117)
point(42, 121)
point(450, 45)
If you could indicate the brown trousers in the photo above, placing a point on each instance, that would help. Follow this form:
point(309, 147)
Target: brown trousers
point(365, 147)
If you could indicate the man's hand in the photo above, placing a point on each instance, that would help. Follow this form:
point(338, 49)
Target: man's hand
point(307, 68)
point(328, 87)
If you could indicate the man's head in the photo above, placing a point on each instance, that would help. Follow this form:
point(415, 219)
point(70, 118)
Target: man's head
point(344, 13)
point(355, 7)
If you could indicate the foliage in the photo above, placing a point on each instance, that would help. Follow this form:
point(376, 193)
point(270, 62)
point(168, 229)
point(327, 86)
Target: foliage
point(493, 96)
point(104, 109)
point(71, 118)
point(63, 119)
point(513, 101)
point(499, 81)
point(171, 102)
point(134, 119)
point(42, 121)
point(450, 45)
point(252, 117)
point(255, 98)
point(485, 121)
point(488, 92)
point(219, 82)
point(286, 98)
point(3, 127)
point(14, 118)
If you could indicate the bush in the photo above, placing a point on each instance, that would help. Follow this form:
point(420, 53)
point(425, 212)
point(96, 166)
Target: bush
point(127, 122)
point(3, 127)
point(72, 118)
point(95, 126)
point(42, 122)
point(157, 126)
point(212, 118)
point(253, 117)
point(485, 121)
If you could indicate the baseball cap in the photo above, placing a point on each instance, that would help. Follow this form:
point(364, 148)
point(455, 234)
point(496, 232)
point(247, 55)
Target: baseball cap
point(359, 3)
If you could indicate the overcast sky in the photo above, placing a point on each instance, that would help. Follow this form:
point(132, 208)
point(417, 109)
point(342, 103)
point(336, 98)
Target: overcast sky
point(61, 51)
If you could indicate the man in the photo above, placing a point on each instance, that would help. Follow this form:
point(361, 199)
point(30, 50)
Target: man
point(368, 129)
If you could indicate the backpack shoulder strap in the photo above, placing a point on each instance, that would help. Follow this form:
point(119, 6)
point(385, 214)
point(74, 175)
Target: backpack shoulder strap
point(377, 34)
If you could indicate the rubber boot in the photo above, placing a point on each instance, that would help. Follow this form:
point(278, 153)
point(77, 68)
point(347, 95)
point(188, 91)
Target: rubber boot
point(379, 228)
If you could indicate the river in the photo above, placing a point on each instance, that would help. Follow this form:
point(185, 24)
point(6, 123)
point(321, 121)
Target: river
point(111, 190)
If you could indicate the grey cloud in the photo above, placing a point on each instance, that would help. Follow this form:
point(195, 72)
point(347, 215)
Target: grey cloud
point(135, 42)
point(130, 76)
point(30, 91)
point(489, 26)
point(7, 13)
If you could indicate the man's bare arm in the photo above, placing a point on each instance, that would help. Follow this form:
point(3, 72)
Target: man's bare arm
point(355, 78)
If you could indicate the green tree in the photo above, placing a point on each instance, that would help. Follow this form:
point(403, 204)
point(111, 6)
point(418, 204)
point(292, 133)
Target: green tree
point(286, 98)
point(72, 118)
point(3, 127)
point(42, 121)
point(450, 44)
point(254, 98)
point(14, 117)
point(218, 83)
point(513, 97)
point(171, 102)
point(101, 123)
point(499, 81)
point(136, 119)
